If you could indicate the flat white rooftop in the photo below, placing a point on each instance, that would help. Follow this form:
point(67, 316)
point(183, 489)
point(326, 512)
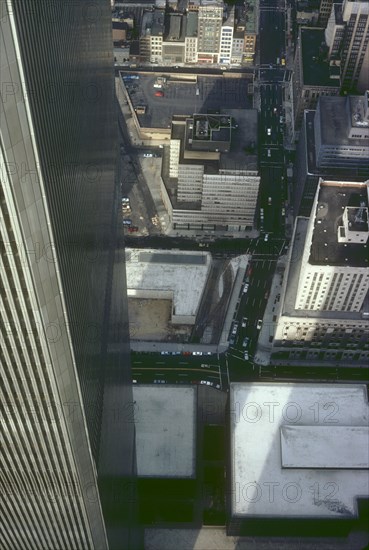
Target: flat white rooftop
point(165, 421)
point(298, 450)
point(181, 272)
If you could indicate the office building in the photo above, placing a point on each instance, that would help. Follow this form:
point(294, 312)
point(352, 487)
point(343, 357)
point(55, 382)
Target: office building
point(211, 183)
point(67, 463)
point(226, 39)
point(210, 17)
point(313, 76)
point(325, 9)
point(334, 141)
point(347, 37)
point(298, 463)
point(324, 301)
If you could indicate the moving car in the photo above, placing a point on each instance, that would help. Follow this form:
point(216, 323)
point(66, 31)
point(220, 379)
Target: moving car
point(244, 322)
point(245, 342)
point(246, 356)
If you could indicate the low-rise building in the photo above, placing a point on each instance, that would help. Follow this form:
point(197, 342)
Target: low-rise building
point(298, 458)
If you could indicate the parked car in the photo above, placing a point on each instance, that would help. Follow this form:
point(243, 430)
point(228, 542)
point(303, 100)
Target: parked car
point(246, 356)
point(269, 131)
point(259, 324)
point(266, 237)
point(245, 288)
point(148, 155)
point(234, 328)
point(133, 229)
point(159, 94)
point(127, 222)
point(125, 199)
point(197, 353)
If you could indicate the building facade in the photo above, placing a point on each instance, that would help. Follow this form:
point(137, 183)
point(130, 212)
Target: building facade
point(210, 18)
point(347, 36)
point(67, 466)
point(324, 313)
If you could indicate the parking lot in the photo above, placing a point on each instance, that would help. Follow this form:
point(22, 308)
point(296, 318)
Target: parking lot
point(186, 98)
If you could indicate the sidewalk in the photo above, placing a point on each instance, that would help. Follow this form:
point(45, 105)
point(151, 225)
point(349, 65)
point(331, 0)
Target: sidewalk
point(233, 303)
point(265, 341)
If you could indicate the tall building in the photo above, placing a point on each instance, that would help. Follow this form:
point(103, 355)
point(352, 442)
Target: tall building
point(347, 36)
point(324, 314)
point(210, 17)
point(313, 76)
point(334, 142)
point(68, 458)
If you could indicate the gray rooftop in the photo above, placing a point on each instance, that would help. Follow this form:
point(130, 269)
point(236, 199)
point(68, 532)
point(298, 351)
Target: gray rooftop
point(315, 66)
point(276, 464)
point(173, 27)
point(332, 200)
point(192, 23)
point(335, 117)
point(165, 421)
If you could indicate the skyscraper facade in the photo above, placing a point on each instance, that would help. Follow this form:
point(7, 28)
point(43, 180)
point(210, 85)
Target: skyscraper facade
point(68, 453)
point(347, 37)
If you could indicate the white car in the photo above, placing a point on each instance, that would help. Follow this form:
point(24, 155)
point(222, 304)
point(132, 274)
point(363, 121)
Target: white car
point(244, 322)
point(259, 324)
point(269, 131)
point(197, 353)
point(246, 355)
point(266, 237)
point(245, 288)
point(148, 155)
point(245, 342)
